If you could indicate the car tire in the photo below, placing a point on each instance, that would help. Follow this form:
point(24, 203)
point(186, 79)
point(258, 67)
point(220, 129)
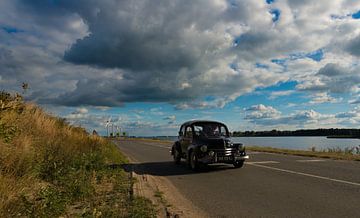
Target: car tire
point(176, 156)
point(193, 161)
point(238, 164)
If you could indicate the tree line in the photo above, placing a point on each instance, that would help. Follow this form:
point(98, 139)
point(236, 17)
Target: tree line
point(336, 133)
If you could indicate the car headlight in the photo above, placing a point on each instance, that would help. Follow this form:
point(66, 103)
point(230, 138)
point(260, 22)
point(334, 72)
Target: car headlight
point(241, 147)
point(229, 144)
point(203, 148)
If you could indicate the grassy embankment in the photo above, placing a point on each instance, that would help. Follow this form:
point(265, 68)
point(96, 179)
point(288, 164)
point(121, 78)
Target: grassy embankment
point(332, 153)
point(51, 169)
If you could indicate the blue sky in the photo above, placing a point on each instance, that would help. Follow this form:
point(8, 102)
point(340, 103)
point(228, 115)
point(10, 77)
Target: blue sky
point(149, 66)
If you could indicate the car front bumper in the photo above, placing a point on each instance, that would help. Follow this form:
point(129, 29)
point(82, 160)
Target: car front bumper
point(221, 157)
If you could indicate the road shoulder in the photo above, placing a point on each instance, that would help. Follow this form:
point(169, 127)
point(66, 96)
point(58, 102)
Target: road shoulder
point(170, 202)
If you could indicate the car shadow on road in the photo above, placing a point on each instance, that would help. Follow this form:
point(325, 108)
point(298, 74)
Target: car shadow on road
point(168, 168)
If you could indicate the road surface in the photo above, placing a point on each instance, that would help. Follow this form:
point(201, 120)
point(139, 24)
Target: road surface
point(269, 185)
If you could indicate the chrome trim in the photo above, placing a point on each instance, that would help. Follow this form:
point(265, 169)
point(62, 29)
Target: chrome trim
point(241, 157)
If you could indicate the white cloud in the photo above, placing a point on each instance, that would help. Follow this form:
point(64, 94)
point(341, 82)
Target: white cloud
point(352, 117)
point(271, 117)
point(261, 111)
point(323, 97)
point(82, 110)
point(277, 94)
point(355, 101)
point(171, 118)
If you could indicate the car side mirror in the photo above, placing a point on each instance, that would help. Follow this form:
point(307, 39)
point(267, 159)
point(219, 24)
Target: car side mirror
point(180, 133)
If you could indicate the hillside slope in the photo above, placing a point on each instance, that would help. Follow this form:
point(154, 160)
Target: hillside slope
point(49, 168)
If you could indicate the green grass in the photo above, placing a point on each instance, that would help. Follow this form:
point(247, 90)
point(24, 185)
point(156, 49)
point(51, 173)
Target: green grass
point(50, 169)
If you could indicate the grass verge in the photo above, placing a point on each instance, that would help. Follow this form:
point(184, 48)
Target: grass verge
point(50, 169)
point(336, 153)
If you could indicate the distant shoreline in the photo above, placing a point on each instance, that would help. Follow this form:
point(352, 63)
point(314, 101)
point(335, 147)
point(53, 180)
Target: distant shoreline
point(329, 137)
point(253, 136)
point(329, 133)
point(342, 137)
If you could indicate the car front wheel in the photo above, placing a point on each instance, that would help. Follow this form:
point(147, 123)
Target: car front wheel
point(193, 162)
point(238, 164)
point(176, 156)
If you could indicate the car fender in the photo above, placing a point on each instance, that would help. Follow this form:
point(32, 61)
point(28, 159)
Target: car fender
point(192, 147)
point(177, 146)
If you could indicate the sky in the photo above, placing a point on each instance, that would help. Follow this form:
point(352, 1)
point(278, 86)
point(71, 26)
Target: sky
point(150, 65)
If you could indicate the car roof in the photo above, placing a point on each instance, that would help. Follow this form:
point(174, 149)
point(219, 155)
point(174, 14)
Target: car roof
point(191, 122)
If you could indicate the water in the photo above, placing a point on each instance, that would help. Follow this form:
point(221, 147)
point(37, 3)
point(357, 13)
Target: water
point(291, 142)
point(298, 143)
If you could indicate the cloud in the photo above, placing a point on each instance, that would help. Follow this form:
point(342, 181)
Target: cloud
point(127, 123)
point(261, 112)
point(355, 101)
point(78, 114)
point(269, 116)
point(332, 78)
point(330, 70)
point(353, 46)
point(277, 94)
point(322, 97)
point(171, 119)
point(350, 117)
point(82, 110)
point(109, 53)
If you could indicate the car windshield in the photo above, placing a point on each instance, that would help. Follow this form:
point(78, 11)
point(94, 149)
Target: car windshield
point(210, 130)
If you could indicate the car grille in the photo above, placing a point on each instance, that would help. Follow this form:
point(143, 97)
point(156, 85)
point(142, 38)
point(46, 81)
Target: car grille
point(225, 152)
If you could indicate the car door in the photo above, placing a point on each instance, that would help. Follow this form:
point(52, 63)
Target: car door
point(187, 139)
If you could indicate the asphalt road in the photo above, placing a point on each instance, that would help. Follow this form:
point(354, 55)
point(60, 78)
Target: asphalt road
point(269, 185)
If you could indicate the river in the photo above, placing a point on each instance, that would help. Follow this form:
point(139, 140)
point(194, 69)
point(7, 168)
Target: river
point(292, 142)
point(299, 142)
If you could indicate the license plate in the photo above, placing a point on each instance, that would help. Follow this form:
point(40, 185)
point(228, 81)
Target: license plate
point(226, 158)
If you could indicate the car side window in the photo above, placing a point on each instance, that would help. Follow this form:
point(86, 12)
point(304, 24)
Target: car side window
point(222, 131)
point(198, 130)
point(182, 131)
point(188, 132)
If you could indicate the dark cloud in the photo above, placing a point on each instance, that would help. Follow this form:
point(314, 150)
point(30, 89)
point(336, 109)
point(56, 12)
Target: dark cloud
point(107, 53)
point(112, 92)
point(353, 46)
point(332, 78)
point(355, 101)
point(331, 70)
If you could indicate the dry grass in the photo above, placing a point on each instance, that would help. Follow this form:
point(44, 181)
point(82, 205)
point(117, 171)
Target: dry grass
point(46, 166)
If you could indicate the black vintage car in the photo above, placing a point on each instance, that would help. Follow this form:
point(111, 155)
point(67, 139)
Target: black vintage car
point(207, 142)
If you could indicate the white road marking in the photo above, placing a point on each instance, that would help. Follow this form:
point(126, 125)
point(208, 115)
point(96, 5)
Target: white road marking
point(261, 162)
point(308, 175)
point(311, 160)
point(160, 146)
